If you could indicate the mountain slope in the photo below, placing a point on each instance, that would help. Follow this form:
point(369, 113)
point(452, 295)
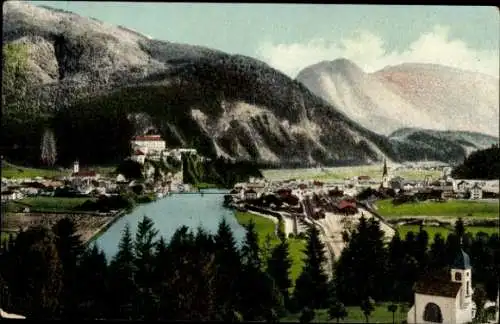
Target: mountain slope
point(409, 95)
point(96, 85)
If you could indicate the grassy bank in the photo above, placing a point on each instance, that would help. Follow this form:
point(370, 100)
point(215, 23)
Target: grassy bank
point(355, 315)
point(203, 185)
point(339, 173)
point(452, 208)
point(444, 231)
point(53, 204)
point(266, 227)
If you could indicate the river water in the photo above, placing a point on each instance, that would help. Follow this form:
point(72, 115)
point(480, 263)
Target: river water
point(171, 212)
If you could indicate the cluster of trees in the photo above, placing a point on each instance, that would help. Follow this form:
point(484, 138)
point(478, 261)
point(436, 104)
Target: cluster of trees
point(219, 171)
point(201, 276)
point(481, 164)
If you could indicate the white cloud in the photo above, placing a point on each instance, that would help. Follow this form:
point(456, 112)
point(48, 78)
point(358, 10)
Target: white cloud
point(368, 51)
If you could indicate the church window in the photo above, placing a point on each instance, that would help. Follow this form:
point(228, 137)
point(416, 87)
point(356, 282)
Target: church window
point(432, 313)
point(467, 288)
point(458, 276)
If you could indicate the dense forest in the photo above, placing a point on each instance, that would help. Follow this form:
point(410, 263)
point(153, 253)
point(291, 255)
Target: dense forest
point(219, 171)
point(482, 164)
point(203, 276)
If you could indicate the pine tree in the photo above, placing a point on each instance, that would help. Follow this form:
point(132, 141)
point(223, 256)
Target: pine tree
point(228, 270)
point(35, 276)
point(92, 287)
point(311, 286)
point(258, 290)
point(123, 281)
point(279, 266)
point(69, 247)
point(144, 248)
point(437, 253)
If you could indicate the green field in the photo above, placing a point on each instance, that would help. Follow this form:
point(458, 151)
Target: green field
point(264, 227)
point(433, 230)
point(355, 315)
point(53, 204)
point(12, 171)
point(452, 208)
point(339, 173)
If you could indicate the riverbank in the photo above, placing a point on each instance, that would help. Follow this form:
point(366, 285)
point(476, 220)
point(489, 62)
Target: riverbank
point(97, 233)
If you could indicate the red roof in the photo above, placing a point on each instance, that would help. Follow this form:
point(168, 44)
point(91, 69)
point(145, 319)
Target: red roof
point(139, 152)
point(364, 177)
point(85, 174)
point(345, 204)
point(318, 183)
point(302, 186)
point(147, 138)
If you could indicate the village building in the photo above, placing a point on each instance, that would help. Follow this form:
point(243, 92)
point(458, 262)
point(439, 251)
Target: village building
point(139, 156)
point(447, 299)
point(250, 194)
point(476, 192)
point(153, 143)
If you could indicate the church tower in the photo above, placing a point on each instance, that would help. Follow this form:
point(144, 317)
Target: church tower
point(385, 176)
point(461, 273)
point(76, 167)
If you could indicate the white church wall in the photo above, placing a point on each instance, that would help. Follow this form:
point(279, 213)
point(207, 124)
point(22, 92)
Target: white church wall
point(446, 304)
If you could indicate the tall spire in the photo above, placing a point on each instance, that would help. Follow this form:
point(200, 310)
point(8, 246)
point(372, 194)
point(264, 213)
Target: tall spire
point(384, 172)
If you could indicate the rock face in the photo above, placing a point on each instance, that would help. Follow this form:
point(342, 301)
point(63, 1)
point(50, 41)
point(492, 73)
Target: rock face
point(98, 84)
point(426, 96)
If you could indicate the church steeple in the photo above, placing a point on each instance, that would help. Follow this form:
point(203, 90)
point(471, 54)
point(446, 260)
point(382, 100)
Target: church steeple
point(384, 172)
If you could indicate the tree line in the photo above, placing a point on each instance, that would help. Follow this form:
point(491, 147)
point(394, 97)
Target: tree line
point(481, 164)
point(50, 273)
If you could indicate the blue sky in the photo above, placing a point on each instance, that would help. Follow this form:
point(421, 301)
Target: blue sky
point(293, 36)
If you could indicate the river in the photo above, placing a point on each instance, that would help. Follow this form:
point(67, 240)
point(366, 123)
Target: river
point(171, 212)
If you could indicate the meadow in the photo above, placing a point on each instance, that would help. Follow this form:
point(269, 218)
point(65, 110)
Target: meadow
point(444, 231)
point(53, 204)
point(340, 173)
point(355, 315)
point(451, 208)
point(266, 227)
point(13, 171)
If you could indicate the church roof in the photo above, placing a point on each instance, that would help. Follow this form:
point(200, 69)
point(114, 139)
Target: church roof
point(438, 288)
point(462, 261)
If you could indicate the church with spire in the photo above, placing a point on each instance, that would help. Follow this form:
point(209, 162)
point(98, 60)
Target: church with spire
point(446, 297)
point(385, 176)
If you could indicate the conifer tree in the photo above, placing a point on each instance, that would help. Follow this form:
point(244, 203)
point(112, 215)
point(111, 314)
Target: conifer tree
point(279, 266)
point(69, 247)
point(228, 270)
point(123, 281)
point(311, 286)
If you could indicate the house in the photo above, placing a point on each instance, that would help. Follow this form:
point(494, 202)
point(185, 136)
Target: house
point(476, 192)
point(139, 156)
point(445, 298)
point(463, 186)
point(250, 194)
point(153, 143)
point(347, 207)
point(8, 195)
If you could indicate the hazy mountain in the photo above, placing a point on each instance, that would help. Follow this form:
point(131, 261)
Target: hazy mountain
point(446, 140)
point(98, 84)
point(424, 96)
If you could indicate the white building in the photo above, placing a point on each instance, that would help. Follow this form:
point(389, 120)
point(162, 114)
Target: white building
point(476, 192)
point(445, 300)
point(139, 156)
point(153, 143)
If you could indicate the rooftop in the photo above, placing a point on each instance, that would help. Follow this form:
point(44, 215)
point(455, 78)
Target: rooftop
point(462, 261)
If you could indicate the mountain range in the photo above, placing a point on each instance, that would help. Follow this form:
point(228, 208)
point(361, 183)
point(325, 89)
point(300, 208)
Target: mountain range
point(427, 96)
point(96, 85)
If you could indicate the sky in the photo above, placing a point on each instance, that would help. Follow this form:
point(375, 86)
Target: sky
point(290, 37)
